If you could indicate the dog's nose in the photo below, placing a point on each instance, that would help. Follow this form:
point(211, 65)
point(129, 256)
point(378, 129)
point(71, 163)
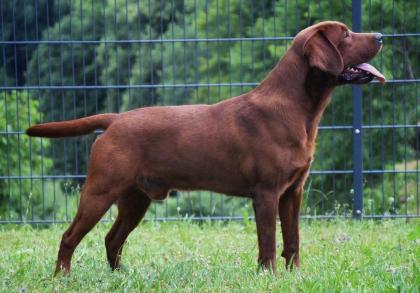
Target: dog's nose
point(378, 37)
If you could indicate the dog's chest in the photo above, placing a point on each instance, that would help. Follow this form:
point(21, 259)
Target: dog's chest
point(277, 164)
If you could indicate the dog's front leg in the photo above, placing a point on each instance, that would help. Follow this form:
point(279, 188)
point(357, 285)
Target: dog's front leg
point(265, 205)
point(289, 206)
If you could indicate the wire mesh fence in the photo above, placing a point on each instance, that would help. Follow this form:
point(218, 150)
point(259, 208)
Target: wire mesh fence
point(63, 59)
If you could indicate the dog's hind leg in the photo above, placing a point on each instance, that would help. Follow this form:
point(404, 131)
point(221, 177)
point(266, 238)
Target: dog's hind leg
point(92, 207)
point(132, 207)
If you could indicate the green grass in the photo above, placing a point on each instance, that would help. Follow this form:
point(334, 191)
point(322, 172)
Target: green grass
point(345, 256)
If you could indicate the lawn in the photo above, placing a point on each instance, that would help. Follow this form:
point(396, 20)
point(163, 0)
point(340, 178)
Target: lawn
point(348, 256)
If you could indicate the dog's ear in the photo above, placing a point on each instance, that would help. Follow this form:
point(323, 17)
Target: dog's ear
point(322, 53)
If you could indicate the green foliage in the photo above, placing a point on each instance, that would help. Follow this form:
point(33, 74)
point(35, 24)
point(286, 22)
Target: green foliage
point(18, 24)
point(142, 64)
point(336, 256)
point(22, 156)
point(201, 204)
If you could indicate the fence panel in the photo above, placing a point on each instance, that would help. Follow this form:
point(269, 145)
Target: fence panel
point(63, 59)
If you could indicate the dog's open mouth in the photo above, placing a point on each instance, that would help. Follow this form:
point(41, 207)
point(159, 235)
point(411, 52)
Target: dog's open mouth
point(362, 73)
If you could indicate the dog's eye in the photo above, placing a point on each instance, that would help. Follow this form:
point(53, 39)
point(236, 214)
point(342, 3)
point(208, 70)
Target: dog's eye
point(346, 34)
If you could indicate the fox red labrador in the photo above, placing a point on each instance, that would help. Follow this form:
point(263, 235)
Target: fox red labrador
point(258, 145)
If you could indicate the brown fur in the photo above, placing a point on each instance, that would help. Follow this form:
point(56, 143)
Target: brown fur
point(258, 145)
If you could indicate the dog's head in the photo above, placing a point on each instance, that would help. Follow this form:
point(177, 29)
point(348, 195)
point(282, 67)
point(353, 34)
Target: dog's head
point(332, 48)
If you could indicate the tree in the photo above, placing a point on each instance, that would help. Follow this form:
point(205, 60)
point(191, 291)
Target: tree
point(100, 62)
point(146, 48)
point(23, 157)
point(24, 21)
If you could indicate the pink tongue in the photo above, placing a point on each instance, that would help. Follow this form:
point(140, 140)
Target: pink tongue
point(369, 68)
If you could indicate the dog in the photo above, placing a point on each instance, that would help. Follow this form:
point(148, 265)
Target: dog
point(258, 145)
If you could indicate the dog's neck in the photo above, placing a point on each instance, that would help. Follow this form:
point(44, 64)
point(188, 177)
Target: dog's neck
point(311, 90)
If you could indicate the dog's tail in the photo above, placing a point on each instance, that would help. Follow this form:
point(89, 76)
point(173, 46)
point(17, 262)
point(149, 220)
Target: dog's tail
point(72, 127)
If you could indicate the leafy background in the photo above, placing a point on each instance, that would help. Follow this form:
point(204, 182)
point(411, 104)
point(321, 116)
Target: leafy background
point(78, 58)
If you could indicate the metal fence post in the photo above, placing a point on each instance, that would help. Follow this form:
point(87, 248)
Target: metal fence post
point(357, 125)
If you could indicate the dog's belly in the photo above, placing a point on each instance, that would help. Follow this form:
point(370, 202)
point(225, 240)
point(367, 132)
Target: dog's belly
point(234, 177)
point(158, 185)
